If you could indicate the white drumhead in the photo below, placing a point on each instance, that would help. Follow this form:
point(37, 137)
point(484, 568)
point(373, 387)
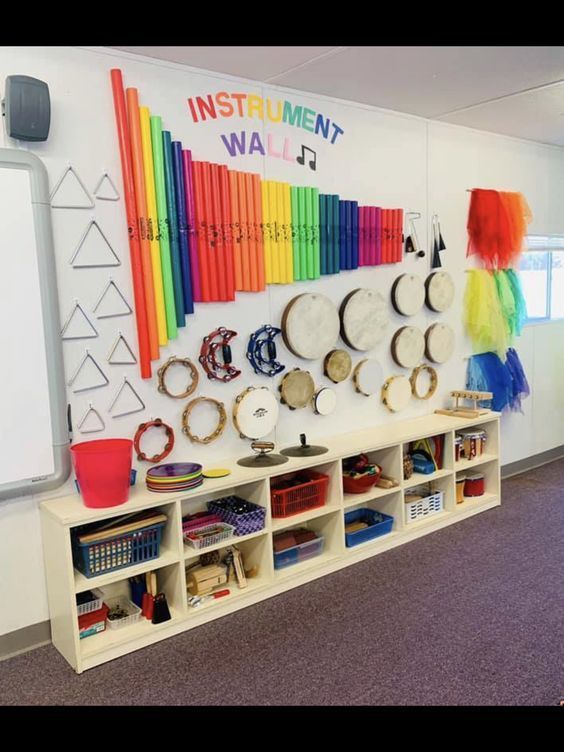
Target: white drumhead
point(364, 318)
point(255, 412)
point(310, 325)
point(439, 291)
point(408, 294)
point(325, 401)
point(368, 376)
point(439, 343)
point(408, 346)
point(396, 393)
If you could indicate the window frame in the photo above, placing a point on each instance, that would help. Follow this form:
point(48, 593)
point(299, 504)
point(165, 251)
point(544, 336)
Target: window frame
point(551, 244)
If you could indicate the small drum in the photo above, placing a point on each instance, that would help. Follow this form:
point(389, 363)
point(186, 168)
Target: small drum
point(460, 481)
point(474, 485)
point(408, 294)
point(368, 376)
point(396, 393)
point(439, 343)
point(458, 448)
point(473, 443)
point(255, 412)
point(364, 319)
point(419, 389)
point(296, 389)
point(439, 291)
point(324, 401)
point(310, 325)
point(408, 346)
point(337, 365)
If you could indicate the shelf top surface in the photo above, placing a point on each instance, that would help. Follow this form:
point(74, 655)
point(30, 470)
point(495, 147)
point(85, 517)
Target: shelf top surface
point(70, 509)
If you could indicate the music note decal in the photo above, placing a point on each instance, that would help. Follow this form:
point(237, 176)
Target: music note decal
point(312, 162)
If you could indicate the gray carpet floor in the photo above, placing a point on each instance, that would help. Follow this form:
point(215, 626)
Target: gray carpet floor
point(469, 615)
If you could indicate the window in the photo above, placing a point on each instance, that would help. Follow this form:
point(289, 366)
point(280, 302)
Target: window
point(542, 277)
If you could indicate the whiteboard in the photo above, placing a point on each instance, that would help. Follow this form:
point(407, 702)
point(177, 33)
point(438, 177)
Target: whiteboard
point(34, 440)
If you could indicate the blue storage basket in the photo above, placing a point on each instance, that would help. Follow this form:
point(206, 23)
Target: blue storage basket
point(379, 524)
point(117, 551)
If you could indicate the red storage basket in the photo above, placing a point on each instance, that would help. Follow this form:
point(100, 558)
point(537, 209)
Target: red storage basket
point(286, 502)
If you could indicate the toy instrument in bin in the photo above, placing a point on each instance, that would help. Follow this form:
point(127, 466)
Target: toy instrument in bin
point(103, 471)
point(359, 474)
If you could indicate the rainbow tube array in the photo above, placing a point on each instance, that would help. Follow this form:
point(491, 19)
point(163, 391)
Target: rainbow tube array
point(199, 232)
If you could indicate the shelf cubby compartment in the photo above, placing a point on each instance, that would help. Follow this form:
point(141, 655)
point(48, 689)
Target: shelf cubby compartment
point(490, 470)
point(124, 556)
point(331, 527)
point(256, 552)
point(491, 449)
point(170, 580)
point(333, 499)
point(428, 512)
point(391, 504)
point(390, 460)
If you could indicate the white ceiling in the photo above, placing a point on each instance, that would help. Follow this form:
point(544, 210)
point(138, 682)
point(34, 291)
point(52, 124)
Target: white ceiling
point(517, 91)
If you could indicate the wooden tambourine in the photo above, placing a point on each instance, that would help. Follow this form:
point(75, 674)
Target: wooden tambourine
point(310, 325)
point(222, 420)
point(439, 343)
point(439, 291)
point(433, 381)
point(296, 389)
point(255, 412)
point(364, 318)
point(194, 377)
point(408, 346)
point(396, 393)
point(168, 447)
point(368, 376)
point(324, 401)
point(408, 294)
point(337, 365)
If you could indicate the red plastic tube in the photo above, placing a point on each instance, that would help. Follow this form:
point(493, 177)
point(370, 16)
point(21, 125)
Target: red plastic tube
point(208, 220)
point(132, 225)
point(228, 231)
point(236, 228)
point(218, 234)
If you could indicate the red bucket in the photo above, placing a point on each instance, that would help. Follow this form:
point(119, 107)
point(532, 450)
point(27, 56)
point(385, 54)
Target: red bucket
point(103, 470)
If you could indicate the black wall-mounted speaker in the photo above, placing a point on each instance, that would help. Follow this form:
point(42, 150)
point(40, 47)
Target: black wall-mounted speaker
point(27, 108)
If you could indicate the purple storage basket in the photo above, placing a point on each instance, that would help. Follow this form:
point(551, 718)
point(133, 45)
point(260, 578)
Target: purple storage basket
point(245, 523)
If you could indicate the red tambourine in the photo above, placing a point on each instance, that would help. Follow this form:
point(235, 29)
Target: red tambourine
point(158, 423)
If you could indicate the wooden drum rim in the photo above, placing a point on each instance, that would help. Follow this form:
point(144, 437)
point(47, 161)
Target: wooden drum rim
point(184, 362)
point(432, 386)
point(222, 420)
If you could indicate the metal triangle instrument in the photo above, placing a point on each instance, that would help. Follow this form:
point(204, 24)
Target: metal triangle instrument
point(91, 224)
point(66, 325)
point(118, 394)
point(111, 284)
point(122, 339)
point(91, 410)
point(89, 205)
point(84, 360)
point(98, 193)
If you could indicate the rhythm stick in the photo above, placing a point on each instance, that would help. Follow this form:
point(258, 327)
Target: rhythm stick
point(315, 233)
point(228, 232)
point(302, 232)
point(309, 233)
point(209, 230)
point(275, 225)
point(132, 228)
point(266, 232)
point(243, 219)
point(218, 232)
point(153, 223)
point(166, 260)
point(287, 194)
point(354, 232)
point(252, 234)
point(286, 272)
point(257, 199)
point(173, 230)
point(399, 244)
point(378, 235)
point(361, 236)
point(180, 195)
point(192, 237)
point(141, 203)
point(348, 234)
point(235, 229)
point(201, 232)
point(323, 233)
point(294, 222)
point(342, 235)
point(336, 234)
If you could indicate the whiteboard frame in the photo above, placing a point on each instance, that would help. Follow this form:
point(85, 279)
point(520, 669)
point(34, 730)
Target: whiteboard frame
point(39, 183)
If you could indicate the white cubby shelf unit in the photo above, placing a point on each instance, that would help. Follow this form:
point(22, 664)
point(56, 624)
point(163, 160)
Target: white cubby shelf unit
point(384, 445)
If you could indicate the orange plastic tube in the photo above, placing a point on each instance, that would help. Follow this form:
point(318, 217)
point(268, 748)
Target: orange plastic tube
point(244, 220)
point(227, 229)
point(235, 228)
point(218, 234)
point(257, 199)
point(208, 220)
point(132, 226)
point(250, 201)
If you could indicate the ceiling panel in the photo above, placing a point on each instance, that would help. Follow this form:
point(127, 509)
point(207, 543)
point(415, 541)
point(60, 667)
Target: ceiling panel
point(259, 63)
point(427, 81)
point(536, 115)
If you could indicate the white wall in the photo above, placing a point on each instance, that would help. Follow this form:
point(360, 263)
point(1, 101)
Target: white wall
point(383, 157)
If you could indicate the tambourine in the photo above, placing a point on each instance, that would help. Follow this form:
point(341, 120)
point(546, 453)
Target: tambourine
point(194, 377)
point(408, 346)
point(222, 420)
point(261, 351)
point(222, 370)
point(396, 393)
point(439, 291)
point(324, 401)
point(364, 318)
point(368, 376)
point(439, 343)
point(157, 423)
point(255, 412)
point(310, 325)
point(408, 294)
point(433, 381)
point(337, 365)
point(296, 389)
